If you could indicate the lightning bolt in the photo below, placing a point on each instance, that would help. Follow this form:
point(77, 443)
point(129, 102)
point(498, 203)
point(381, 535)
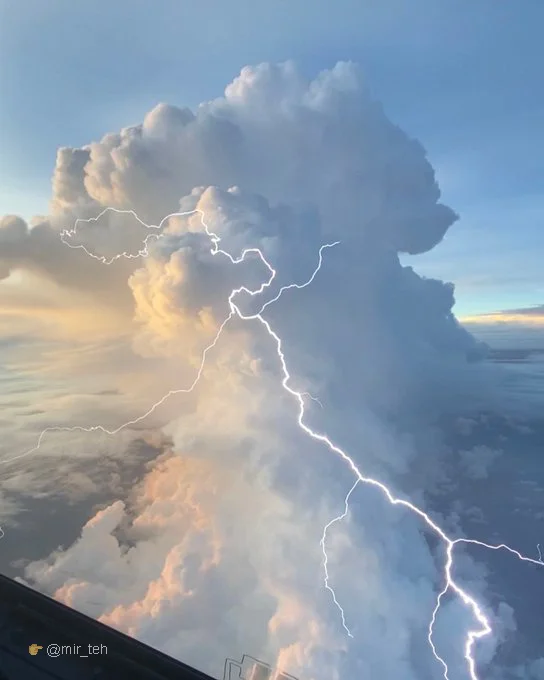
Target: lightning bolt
point(234, 310)
point(484, 627)
point(326, 557)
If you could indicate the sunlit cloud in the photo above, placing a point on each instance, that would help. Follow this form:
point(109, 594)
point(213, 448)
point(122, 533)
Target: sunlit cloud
point(220, 535)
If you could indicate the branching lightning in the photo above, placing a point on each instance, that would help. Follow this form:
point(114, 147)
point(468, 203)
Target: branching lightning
point(326, 557)
point(234, 310)
point(450, 585)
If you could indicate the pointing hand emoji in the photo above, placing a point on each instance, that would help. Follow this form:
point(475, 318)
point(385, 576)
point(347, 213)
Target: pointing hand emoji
point(34, 648)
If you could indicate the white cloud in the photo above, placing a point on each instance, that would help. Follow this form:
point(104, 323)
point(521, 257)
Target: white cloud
point(221, 540)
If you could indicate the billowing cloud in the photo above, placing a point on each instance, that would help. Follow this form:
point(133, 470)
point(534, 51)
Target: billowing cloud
point(324, 143)
point(222, 537)
point(196, 556)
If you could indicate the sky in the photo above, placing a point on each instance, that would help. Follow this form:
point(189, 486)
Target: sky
point(162, 386)
point(460, 77)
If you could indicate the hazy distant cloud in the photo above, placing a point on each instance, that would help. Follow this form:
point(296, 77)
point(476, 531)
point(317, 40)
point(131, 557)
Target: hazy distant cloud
point(523, 315)
point(477, 461)
point(38, 250)
point(537, 310)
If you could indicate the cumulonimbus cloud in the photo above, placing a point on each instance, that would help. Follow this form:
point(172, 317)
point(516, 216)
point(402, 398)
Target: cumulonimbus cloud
point(222, 538)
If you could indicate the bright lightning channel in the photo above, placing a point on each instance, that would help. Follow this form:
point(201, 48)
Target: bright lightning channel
point(326, 557)
point(450, 584)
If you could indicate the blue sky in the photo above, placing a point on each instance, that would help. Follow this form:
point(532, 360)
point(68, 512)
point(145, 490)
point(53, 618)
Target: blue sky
point(463, 77)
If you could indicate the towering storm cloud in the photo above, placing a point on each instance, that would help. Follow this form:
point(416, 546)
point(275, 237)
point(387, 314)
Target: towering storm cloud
point(217, 550)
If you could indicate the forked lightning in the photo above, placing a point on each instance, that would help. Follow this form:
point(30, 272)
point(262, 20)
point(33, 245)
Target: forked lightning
point(484, 627)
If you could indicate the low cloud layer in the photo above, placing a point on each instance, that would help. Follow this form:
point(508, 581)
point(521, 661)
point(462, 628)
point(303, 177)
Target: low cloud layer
point(523, 316)
point(216, 552)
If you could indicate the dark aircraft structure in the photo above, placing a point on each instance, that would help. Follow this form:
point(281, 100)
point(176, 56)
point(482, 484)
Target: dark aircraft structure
point(42, 639)
point(252, 669)
point(34, 627)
